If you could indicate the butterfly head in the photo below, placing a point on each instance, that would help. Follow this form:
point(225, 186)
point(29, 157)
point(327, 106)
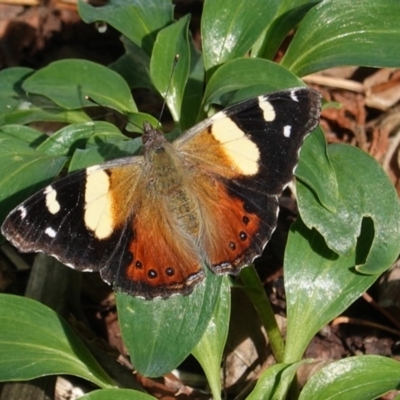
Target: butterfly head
point(152, 138)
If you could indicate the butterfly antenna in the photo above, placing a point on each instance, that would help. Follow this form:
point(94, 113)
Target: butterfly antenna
point(88, 98)
point(176, 58)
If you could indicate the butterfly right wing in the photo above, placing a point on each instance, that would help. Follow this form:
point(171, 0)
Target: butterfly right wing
point(240, 160)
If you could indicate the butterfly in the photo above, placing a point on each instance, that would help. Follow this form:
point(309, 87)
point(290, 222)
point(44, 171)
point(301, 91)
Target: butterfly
point(150, 223)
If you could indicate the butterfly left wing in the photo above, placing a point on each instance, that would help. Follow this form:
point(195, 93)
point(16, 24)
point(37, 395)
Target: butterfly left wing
point(110, 218)
point(242, 158)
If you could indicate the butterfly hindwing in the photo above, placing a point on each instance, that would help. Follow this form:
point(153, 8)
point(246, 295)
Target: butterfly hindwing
point(161, 260)
point(237, 227)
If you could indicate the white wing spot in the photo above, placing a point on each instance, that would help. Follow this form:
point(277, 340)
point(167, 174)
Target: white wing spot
point(98, 203)
point(23, 211)
point(51, 200)
point(50, 232)
point(293, 95)
point(267, 109)
point(287, 130)
point(92, 169)
point(240, 149)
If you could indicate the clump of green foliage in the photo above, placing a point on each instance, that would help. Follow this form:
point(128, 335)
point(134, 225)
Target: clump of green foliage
point(348, 233)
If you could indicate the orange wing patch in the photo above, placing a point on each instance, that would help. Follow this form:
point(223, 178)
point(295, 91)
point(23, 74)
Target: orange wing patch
point(231, 233)
point(205, 153)
point(166, 262)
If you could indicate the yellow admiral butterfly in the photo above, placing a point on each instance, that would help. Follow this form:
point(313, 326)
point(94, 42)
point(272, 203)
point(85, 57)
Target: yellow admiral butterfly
point(149, 223)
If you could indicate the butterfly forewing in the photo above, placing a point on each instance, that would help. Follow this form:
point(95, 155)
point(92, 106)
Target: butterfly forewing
point(55, 220)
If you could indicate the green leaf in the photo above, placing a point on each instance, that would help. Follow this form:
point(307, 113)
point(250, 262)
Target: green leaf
point(139, 21)
point(12, 97)
point(319, 285)
point(228, 31)
point(34, 113)
point(288, 16)
point(16, 107)
point(68, 139)
point(68, 82)
point(337, 33)
point(249, 76)
point(354, 378)
point(209, 350)
point(160, 334)
point(35, 341)
point(170, 79)
point(274, 382)
point(134, 66)
point(116, 394)
point(193, 90)
point(314, 163)
point(102, 147)
point(23, 171)
point(30, 136)
point(364, 192)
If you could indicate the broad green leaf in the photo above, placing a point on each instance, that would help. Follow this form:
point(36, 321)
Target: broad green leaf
point(314, 163)
point(12, 97)
point(104, 146)
point(169, 78)
point(30, 112)
point(209, 350)
point(249, 76)
point(71, 137)
point(134, 66)
point(23, 171)
point(68, 82)
point(364, 192)
point(354, 378)
point(242, 78)
point(30, 136)
point(288, 16)
point(274, 382)
point(35, 341)
point(139, 21)
point(336, 33)
point(193, 90)
point(319, 285)
point(229, 31)
point(17, 108)
point(116, 394)
point(160, 334)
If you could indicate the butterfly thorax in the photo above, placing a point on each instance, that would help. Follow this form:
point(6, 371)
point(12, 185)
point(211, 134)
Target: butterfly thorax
point(169, 181)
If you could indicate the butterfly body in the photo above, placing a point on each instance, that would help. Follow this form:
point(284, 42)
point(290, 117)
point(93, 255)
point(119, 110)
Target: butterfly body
point(151, 223)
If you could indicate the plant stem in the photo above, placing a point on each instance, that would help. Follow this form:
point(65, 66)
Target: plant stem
point(256, 293)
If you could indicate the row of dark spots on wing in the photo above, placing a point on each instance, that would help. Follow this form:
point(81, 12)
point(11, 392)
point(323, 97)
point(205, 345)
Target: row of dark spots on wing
point(153, 274)
point(242, 234)
point(242, 189)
